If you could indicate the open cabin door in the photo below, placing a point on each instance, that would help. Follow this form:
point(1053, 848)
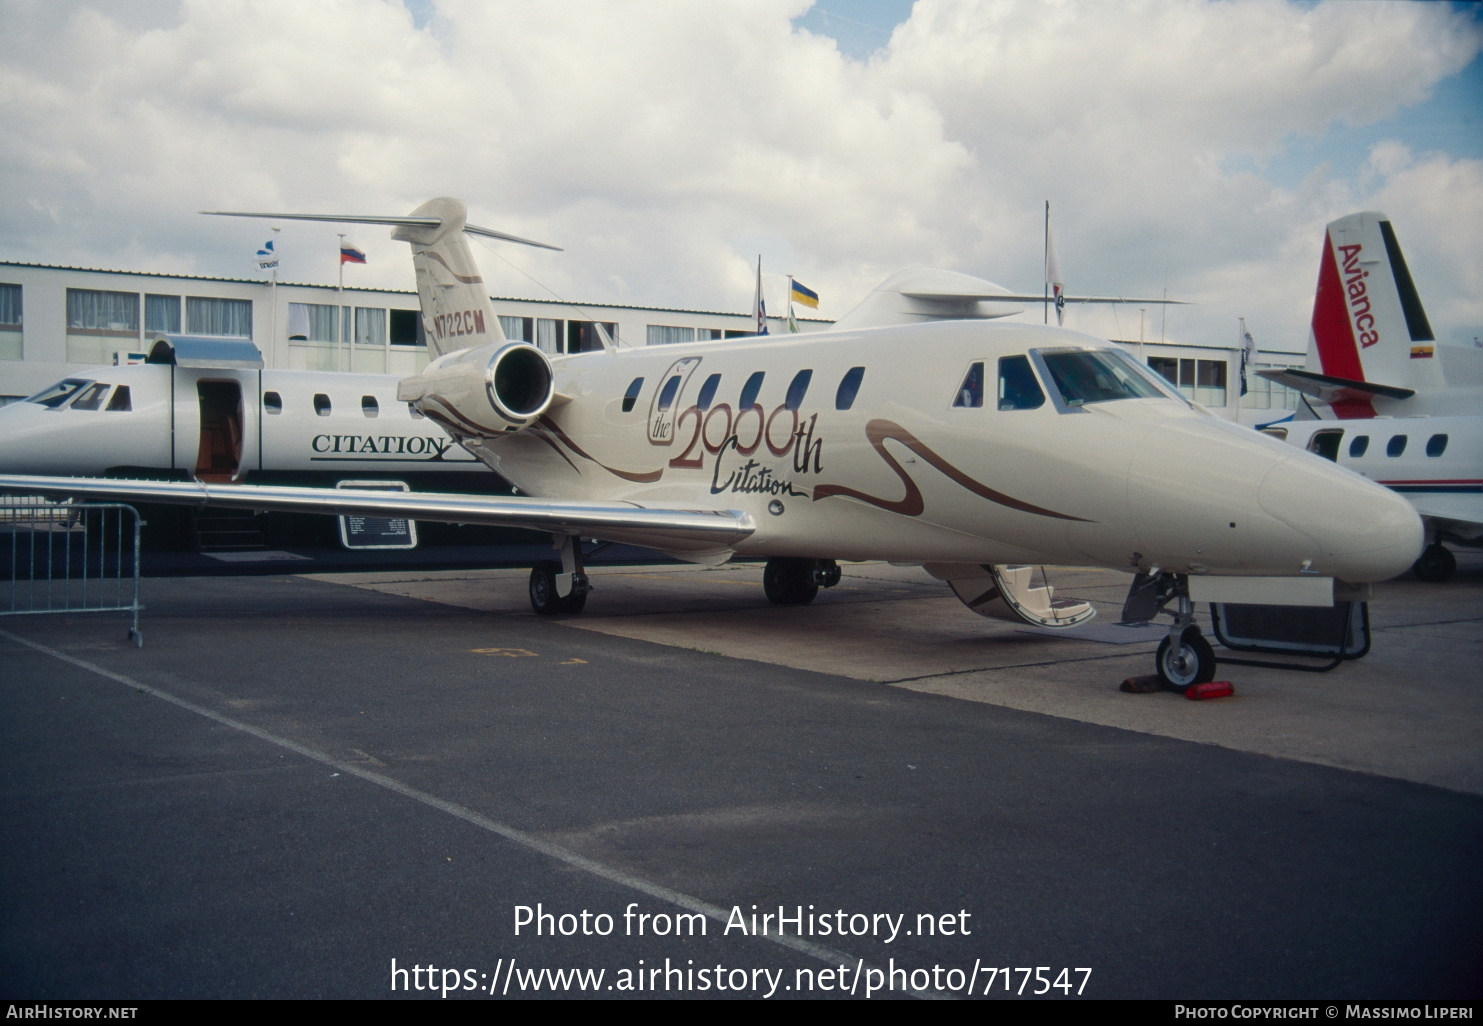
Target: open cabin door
point(219, 455)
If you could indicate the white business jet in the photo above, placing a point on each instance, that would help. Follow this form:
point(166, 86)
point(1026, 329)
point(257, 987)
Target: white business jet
point(1383, 397)
point(205, 408)
point(961, 445)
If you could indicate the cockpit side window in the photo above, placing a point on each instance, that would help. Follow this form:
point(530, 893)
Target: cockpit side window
point(750, 389)
point(708, 392)
point(121, 401)
point(667, 395)
point(59, 393)
point(849, 387)
point(797, 389)
point(91, 397)
point(1018, 389)
point(1085, 376)
point(971, 391)
point(631, 396)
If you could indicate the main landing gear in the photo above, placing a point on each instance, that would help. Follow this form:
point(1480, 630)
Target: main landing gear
point(790, 581)
point(560, 589)
point(1184, 658)
point(1437, 564)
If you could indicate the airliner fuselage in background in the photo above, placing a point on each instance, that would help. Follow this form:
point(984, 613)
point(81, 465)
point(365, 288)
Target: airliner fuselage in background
point(960, 445)
point(1383, 396)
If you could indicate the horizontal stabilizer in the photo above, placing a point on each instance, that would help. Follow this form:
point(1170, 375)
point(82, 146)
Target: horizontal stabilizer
point(1330, 389)
point(403, 221)
point(672, 530)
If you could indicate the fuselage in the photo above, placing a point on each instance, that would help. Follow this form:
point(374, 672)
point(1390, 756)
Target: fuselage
point(1435, 462)
point(962, 442)
point(225, 425)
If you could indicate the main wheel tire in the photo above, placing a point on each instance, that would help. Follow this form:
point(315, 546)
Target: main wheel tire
point(789, 581)
point(1190, 661)
point(543, 597)
point(1437, 564)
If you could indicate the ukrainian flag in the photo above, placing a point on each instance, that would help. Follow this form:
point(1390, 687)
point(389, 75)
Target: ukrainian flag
point(805, 295)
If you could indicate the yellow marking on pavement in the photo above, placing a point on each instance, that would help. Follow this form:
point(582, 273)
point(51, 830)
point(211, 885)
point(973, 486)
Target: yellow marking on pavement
point(509, 653)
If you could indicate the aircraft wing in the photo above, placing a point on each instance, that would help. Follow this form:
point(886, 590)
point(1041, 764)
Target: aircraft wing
point(676, 531)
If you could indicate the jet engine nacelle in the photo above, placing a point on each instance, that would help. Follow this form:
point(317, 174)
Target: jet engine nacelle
point(484, 392)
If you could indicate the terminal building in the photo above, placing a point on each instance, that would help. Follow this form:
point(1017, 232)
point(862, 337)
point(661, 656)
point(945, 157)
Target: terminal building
point(57, 321)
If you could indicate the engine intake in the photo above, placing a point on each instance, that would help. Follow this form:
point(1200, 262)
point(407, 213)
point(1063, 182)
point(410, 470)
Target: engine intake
point(484, 392)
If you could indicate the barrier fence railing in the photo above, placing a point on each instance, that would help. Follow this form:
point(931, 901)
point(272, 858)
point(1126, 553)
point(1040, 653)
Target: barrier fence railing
point(69, 558)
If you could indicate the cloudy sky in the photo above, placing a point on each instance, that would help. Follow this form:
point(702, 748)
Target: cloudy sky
point(1197, 146)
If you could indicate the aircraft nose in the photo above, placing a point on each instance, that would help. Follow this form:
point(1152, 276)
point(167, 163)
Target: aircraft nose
point(1362, 531)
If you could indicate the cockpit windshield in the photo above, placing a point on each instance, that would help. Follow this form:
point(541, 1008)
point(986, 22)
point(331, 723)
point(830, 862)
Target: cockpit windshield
point(59, 393)
point(1085, 376)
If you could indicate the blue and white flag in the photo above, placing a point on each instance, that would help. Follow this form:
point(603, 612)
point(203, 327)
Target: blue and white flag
point(267, 257)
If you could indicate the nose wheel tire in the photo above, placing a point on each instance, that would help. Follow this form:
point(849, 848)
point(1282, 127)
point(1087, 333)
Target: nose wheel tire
point(543, 597)
point(1186, 662)
point(1436, 564)
point(789, 582)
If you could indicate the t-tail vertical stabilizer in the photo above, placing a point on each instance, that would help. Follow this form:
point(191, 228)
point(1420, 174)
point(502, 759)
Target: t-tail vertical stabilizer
point(456, 312)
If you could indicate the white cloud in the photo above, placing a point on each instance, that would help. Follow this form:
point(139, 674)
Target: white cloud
point(665, 144)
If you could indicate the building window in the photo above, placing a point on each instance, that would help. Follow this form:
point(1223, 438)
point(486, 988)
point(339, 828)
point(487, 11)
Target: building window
point(1204, 381)
point(226, 317)
point(406, 328)
point(10, 323)
point(10, 308)
point(548, 335)
point(583, 336)
point(518, 329)
point(103, 313)
point(162, 315)
point(311, 322)
point(370, 326)
point(668, 334)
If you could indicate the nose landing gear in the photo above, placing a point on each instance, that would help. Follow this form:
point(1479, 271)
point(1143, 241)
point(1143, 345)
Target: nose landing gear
point(1184, 658)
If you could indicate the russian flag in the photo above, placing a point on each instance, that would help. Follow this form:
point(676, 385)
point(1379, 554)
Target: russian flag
point(351, 255)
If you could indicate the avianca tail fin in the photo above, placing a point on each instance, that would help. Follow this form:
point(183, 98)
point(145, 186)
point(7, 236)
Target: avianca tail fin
point(1369, 328)
point(456, 312)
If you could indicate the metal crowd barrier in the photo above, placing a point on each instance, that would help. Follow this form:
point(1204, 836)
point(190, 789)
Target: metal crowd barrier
point(69, 558)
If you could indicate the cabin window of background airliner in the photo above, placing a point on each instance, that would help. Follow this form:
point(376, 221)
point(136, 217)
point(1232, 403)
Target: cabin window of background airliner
point(797, 389)
point(1436, 445)
point(849, 387)
point(1018, 389)
point(667, 396)
point(321, 404)
point(971, 391)
point(1396, 445)
point(631, 396)
point(1090, 376)
point(749, 391)
point(59, 393)
point(369, 406)
point(272, 402)
point(708, 392)
point(121, 401)
point(92, 397)
point(1359, 446)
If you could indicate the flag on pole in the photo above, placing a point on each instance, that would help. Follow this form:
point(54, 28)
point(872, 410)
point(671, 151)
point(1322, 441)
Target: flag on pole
point(267, 257)
point(350, 255)
point(1248, 353)
point(1055, 285)
point(759, 306)
point(802, 294)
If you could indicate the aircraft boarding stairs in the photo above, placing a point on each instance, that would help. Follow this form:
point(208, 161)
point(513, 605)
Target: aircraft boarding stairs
point(1017, 593)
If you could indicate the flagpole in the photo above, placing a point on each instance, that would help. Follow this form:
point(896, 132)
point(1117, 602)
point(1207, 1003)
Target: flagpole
point(340, 304)
point(1045, 290)
point(273, 307)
